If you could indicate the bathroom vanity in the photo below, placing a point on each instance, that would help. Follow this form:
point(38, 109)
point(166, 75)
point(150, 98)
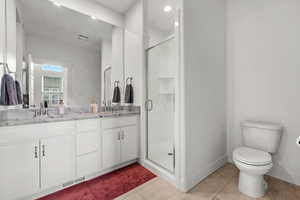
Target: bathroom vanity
point(42, 157)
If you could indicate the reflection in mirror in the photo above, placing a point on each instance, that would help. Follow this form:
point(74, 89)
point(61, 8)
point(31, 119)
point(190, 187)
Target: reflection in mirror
point(61, 55)
point(107, 84)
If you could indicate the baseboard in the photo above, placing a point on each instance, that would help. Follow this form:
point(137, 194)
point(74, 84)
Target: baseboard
point(204, 173)
point(285, 178)
point(281, 176)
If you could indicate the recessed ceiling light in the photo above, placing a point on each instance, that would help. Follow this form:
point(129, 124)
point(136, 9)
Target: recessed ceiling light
point(57, 4)
point(168, 8)
point(93, 17)
point(176, 23)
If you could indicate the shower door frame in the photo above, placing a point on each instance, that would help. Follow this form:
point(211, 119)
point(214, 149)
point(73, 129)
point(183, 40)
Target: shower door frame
point(178, 177)
point(172, 37)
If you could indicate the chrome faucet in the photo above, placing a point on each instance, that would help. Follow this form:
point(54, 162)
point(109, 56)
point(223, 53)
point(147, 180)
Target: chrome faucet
point(107, 105)
point(40, 111)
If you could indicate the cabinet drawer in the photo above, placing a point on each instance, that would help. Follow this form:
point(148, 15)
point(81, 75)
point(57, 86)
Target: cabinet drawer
point(88, 164)
point(88, 142)
point(118, 122)
point(88, 125)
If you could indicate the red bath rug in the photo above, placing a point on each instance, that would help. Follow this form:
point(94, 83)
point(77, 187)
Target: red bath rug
point(106, 187)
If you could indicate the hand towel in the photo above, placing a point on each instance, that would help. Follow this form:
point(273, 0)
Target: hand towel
point(117, 95)
point(19, 92)
point(8, 91)
point(129, 94)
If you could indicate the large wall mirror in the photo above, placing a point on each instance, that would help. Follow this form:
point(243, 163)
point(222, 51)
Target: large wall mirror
point(57, 54)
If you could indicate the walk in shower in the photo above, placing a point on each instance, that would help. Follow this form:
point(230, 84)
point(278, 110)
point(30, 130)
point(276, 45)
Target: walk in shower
point(160, 104)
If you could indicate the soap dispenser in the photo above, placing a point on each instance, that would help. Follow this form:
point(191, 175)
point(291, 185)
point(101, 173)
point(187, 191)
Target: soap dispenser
point(61, 107)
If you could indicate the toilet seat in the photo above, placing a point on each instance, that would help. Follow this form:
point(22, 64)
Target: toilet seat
point(252, 157)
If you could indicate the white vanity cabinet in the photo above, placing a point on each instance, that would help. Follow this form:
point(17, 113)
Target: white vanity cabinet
point(35, 157)
point(129, 143)
point(88, 141)
point(19, 169)
point(111, 148)
point(120, 140)
point(38, 158)
point(57, 160)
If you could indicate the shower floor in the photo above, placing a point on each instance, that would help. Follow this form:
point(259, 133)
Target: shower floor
point(158, 153)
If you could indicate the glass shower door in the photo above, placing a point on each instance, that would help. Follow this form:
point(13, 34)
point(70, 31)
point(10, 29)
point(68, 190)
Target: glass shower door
point(160, 104)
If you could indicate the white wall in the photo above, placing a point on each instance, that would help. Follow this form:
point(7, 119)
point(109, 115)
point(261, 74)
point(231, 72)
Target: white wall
point(2, 32)
point(11, 34)
point(106, 60)
point(20, 40)
point(11, 29)
point(90, 7)
point(204, 84)
point(134, 18)
point(263, 74)
point(84, 67)
point(155, 37)
point(118, 58)
point(133, 48)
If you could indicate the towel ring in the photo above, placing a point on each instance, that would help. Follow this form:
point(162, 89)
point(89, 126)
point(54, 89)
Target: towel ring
point(130, 79)
point(6, 68)
point(116, 83)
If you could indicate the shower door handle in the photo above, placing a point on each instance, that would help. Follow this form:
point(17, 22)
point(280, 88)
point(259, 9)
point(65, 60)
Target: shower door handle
point(149, 105)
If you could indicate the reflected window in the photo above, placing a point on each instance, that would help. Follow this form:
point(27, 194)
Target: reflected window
point(52, 90)
point(52, 68)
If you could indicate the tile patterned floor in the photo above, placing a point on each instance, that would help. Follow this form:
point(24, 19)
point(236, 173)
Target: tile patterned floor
point(221, 185)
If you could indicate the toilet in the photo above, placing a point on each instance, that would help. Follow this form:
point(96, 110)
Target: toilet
point(254, 159)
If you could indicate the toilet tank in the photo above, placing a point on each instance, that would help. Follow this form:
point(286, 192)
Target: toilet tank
point(263, 136)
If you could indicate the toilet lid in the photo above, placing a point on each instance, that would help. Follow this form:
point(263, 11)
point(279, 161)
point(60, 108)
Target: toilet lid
point(252, 156)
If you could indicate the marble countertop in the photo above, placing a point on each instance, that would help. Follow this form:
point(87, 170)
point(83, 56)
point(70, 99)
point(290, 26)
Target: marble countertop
point(67, 117)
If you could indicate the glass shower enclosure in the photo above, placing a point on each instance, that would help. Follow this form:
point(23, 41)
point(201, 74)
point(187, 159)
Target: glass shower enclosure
point(160, 104)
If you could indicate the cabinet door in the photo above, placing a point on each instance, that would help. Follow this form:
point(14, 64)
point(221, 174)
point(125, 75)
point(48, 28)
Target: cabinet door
point(57, 160)
point(111, 148)
point(129, 145)
point(19, 169)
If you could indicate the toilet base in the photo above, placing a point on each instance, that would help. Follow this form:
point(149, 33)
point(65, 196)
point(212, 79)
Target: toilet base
point(252, 185)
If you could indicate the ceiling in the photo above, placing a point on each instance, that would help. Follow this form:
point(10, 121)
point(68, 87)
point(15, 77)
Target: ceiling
point(120, 6)
point(158, 19)
point(44, 19)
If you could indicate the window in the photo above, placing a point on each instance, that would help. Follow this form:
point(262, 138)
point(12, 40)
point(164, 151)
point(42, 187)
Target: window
point(52, 90)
